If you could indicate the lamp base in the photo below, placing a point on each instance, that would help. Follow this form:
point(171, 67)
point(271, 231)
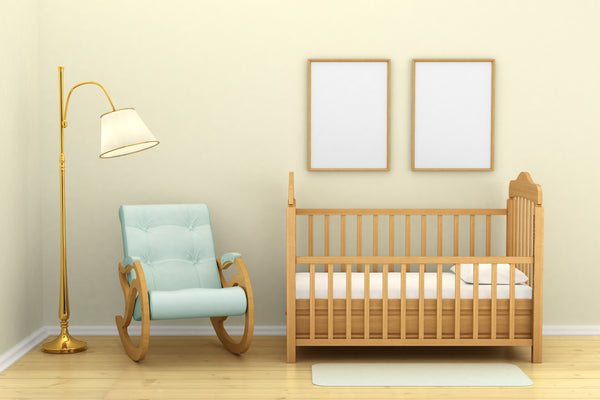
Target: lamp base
point(64, 343)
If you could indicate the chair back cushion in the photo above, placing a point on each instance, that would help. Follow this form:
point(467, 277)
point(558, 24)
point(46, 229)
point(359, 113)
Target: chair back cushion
point(174, 243)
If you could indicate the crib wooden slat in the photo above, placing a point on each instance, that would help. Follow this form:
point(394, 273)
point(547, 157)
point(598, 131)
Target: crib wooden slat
point(494, 300)
point(517, 221)
point(330, 301)
point(407, 240)
point(472, 234)
point(438, 307)
point(311, 269)
point(421, 301)
point(488, 235)
point(511, 322)
point(519, 236)
point(375, 240)
point(403, 301)
point(343, 240)
point(531, 242)
point(423, 235)
point(524, 223)
point(326, 235)
point(407, 236)
point(525, 230)
point(475, 301)
point(440, 235)
point(522, 228)
point(311, 235)
point(513, 234)
point(384, 296)
point(391, 245)
point(367, 299)
point(359, 240)
point(509, 227)
point(457, 301)
point(528, 235)
point(348, 301)
point(456, 238)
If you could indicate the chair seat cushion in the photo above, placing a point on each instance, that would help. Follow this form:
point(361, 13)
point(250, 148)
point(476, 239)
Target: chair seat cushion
point(195, 303)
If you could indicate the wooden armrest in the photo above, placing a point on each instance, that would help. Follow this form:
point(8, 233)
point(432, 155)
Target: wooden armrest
point(241, 279)
point(139, 275)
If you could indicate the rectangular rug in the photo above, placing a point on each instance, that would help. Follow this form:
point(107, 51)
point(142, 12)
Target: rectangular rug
point(419, 374)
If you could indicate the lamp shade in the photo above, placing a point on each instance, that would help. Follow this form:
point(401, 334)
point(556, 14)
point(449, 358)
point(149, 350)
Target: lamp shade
point(123, 132)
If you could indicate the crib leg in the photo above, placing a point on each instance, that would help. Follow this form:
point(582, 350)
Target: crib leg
point(536, 351)
point(291, 350)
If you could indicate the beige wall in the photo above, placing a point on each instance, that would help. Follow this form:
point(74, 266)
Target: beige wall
point(223, 86)
point(20, 239)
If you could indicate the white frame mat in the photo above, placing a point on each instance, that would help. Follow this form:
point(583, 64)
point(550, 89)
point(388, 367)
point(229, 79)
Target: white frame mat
point(453, 115)
point(349, 115)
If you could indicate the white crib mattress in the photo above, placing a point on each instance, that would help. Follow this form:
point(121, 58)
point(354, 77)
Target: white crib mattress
point(522, 291)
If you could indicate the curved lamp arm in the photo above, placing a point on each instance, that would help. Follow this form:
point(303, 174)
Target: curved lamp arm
point(64, 117)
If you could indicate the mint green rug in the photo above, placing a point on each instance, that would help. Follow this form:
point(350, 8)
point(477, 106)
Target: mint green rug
point(419, 374)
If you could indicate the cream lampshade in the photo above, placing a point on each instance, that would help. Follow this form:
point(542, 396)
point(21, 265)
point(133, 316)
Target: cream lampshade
point(123, 132)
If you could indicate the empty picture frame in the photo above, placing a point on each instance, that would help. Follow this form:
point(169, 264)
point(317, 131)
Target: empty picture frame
point(349, 115)
point(453, 115)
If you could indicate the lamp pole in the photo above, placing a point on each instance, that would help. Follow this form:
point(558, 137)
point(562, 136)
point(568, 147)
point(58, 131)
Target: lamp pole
point(123, 132)
point(64, 343)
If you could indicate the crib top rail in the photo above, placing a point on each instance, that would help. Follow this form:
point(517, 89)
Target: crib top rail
point(401, 211)
point(525, 187)
point(412, 260)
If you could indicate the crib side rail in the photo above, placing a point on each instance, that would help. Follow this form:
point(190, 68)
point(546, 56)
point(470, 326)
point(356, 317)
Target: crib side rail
point(341, 260)
point(426, 232)
point(401, 211)
point(392, 327)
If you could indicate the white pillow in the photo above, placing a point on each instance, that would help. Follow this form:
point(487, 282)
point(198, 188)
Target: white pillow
point(485, 274)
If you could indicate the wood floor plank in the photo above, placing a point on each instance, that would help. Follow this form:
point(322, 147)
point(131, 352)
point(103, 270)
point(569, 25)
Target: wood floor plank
point(199, 367)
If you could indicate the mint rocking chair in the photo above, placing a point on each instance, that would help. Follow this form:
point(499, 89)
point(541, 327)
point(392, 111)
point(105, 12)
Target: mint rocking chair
point(170, 271)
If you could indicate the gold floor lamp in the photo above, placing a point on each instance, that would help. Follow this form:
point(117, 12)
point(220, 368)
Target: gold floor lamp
point(122, 132)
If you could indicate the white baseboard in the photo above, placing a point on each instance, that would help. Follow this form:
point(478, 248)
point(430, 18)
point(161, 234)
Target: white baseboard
point(31, 341)
point(23, 347)
point(165, 330)
point(571, 330)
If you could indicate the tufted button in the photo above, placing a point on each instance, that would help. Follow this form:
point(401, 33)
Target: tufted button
point(143, 227)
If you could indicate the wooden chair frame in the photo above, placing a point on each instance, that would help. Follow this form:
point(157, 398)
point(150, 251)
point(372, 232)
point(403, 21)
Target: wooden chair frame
point(138, 289)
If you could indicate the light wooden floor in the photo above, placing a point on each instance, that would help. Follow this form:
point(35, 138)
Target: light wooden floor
point(200, 368)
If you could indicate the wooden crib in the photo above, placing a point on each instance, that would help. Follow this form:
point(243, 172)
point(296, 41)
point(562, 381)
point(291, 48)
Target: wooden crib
point(323, 243)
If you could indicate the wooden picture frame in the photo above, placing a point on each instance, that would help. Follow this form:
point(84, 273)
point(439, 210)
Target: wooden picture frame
point(453, 115)
point(349, 114)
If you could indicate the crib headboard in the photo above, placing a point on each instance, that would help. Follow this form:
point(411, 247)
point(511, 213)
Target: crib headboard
point(525, 214)
point(525, 237)
point(526, 188)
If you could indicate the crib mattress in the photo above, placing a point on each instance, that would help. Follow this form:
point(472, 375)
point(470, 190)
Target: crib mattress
point(522, 291)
